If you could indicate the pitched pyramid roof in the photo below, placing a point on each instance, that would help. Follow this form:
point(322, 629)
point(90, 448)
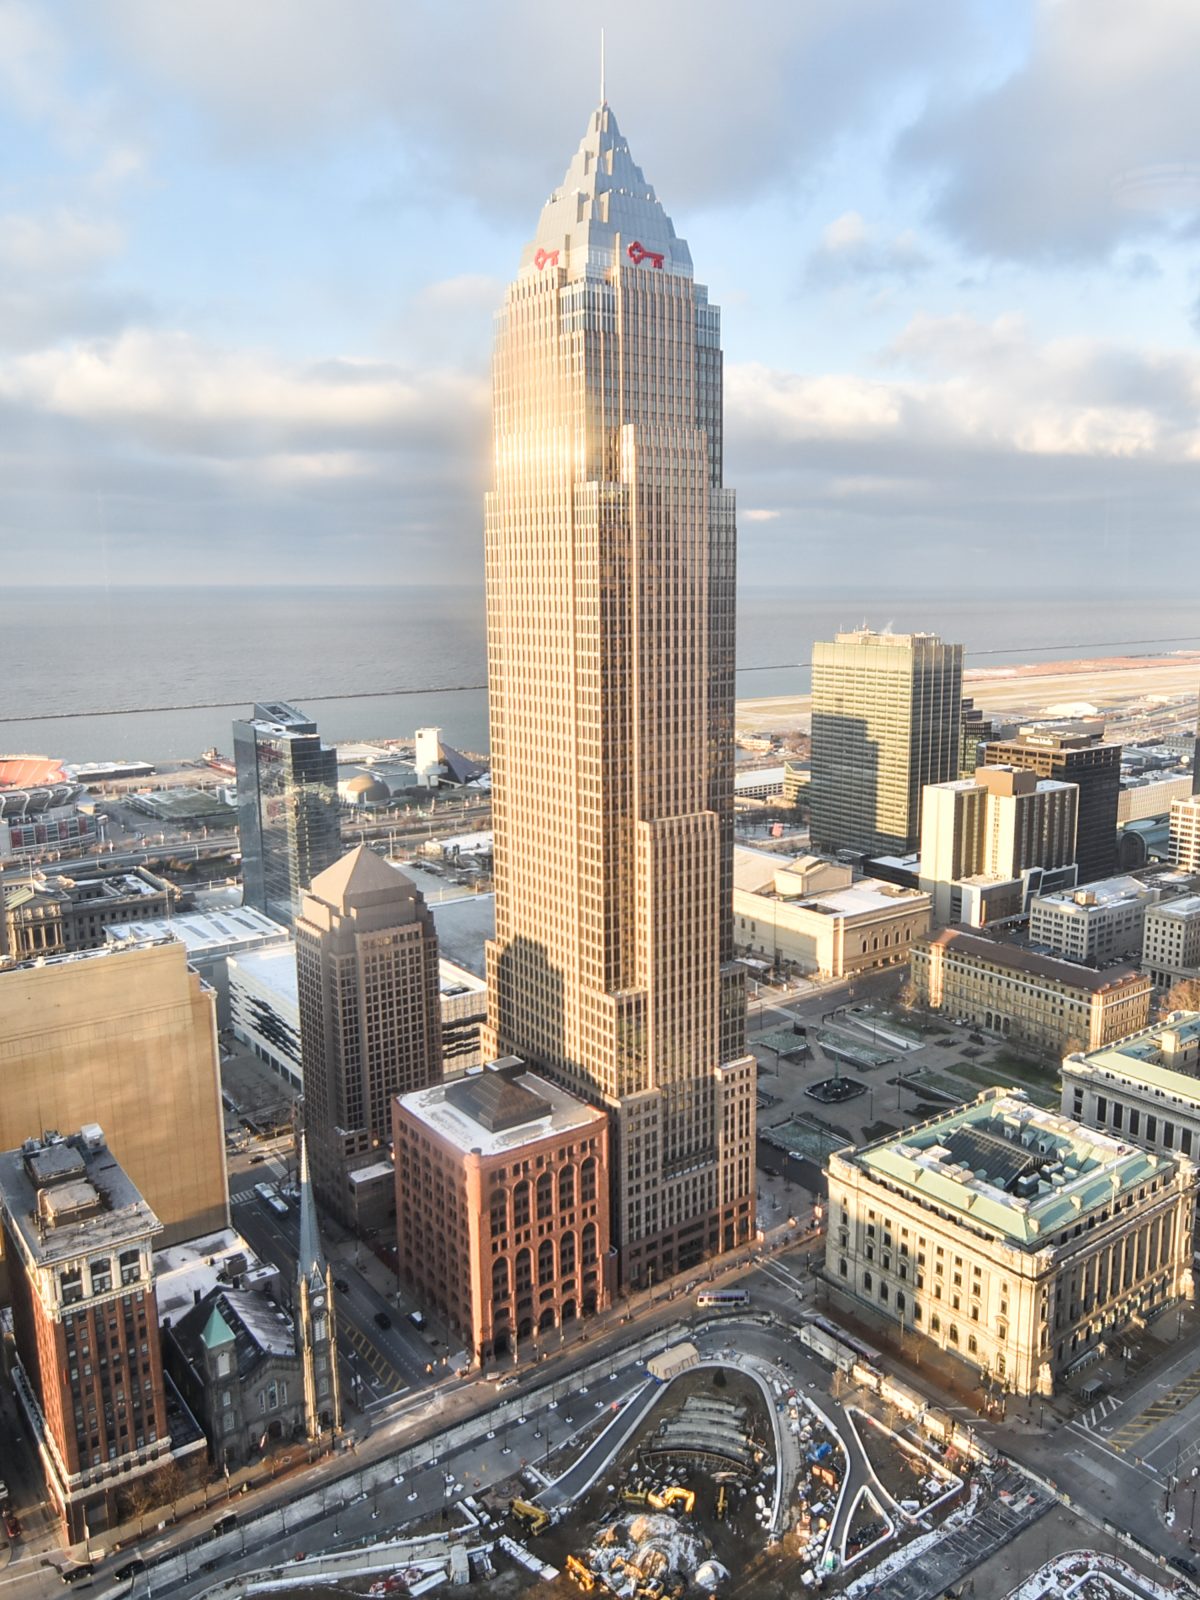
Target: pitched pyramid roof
point(310, 1260)
point(362, 871)
point(604, 198)
point(216, 1330)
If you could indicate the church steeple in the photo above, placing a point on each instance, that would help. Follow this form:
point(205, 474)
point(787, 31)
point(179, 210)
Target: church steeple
point(315, 1316)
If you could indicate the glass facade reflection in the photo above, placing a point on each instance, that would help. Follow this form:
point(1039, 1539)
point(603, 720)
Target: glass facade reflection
point(287, 807)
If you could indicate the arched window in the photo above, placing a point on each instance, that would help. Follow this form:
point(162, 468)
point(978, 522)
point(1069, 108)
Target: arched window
point(499, 1212)
point(589, 1245)
point(500, 1278)
point(566, 1188)
point(545, 1197)
point(953, 1333)
point(521, 1204)
point(546, 1261)
point(524, 1271)
point(566, 1254)
point(587, 1180)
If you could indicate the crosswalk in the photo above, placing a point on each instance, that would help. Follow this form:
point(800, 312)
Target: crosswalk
point(1091, 1420)
point(1127, 1434)
point(370, 1356)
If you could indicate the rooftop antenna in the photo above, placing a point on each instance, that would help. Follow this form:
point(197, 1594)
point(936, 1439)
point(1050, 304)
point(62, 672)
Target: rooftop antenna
point(603, 101)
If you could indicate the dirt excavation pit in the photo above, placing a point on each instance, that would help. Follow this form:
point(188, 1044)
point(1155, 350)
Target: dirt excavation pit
point(684, 1505)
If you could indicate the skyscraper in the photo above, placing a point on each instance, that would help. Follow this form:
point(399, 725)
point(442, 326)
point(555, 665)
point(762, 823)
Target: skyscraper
point(886, 721)
point(610, 580)
point(287, 807)
point(370, 1023)
point(1078, 758)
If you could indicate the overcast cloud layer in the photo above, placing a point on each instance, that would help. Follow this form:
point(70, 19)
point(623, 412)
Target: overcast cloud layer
point(249, 257)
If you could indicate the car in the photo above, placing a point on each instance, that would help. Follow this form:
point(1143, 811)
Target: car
point(506, 1383)
point(256, 1158)
point(130, 1569)
point(417, 1318)
point(1185, 1564)
point(382, 1320)
point(76, 1574)
point(341, 1286)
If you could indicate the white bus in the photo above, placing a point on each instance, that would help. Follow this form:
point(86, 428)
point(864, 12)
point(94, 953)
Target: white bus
point(723, 1298)
point(270, 1199)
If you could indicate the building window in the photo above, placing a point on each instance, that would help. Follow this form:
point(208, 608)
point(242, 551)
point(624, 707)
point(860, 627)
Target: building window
point(587, 1180)
point(521, 1205)
point(101, 1274)
point(545, 1197)
point(566, 1189)
point(546, 1262)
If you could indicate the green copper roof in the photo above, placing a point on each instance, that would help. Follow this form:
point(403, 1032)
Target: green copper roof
point(216, 1331)
point(1006, 1167)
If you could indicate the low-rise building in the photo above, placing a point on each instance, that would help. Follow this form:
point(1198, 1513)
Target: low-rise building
point(502, 1214)
point(54, 913)
point(811, 914)
point(1171, 941)
point(1100, 922)
point(1041, 1003)
point(1013, 1238)
point(1151, 797)
point(210, 938)
point(1144, 1088)
point(79, 1241)
point(254, 1373)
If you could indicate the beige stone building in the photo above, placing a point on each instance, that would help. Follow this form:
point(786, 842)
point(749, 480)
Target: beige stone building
point(1010, 1237)
point(886, 721)
point(991, 841)
point(1185, 833)
point(812, 914)
point(1144, 1088)
point(126, 1038)
point(502, 1216)
point(1039, 1002)
point(611, 557)
point(1171, 941)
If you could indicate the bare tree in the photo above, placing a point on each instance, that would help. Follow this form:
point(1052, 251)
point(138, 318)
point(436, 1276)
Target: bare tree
point(1183, 995)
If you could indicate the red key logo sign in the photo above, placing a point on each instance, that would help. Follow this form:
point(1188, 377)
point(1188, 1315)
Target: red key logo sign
point(638, 253)
point(545, 258)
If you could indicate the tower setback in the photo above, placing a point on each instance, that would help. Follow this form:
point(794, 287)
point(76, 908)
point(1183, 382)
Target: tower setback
point(610, 580)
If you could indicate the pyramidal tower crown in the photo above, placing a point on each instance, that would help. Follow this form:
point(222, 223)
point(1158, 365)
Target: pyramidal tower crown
point(602, 210)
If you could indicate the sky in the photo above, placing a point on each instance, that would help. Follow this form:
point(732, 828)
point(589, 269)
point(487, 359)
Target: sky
point(250, 255)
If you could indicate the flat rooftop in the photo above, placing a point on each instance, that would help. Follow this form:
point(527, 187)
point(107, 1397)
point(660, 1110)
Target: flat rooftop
point(537, 1110)
point(83, 1187)
point(1103, 894)
point(867, 897)
point(1143, 1058)
point(205, 933)
point(1187, 905)
point(1009, 1168)
point(201, 1265)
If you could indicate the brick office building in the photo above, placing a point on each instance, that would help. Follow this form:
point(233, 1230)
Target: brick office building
point(502, 1205)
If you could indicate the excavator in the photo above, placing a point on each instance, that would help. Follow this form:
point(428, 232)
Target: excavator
point(671, 1497)
point(579, 1572)
point(535, 1519)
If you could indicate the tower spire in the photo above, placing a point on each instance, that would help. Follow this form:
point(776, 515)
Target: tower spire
point(311, 1261)
point(603, 100)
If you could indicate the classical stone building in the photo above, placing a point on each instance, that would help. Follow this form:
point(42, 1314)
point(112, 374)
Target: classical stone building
point(502, 1219)
point(1012, 1238)
point(1144, 1088)
point(56, 913)
point(1039, 1002)
point(814, 915)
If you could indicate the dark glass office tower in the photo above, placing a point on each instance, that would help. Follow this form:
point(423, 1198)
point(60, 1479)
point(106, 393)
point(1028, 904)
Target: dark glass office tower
point(287, 807)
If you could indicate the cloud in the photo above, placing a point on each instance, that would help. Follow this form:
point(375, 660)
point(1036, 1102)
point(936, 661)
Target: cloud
point(489, 101)
point(57, 244)
point(851, 251)
point(1091, 141)
point(758, 515)
point(1068, 456)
